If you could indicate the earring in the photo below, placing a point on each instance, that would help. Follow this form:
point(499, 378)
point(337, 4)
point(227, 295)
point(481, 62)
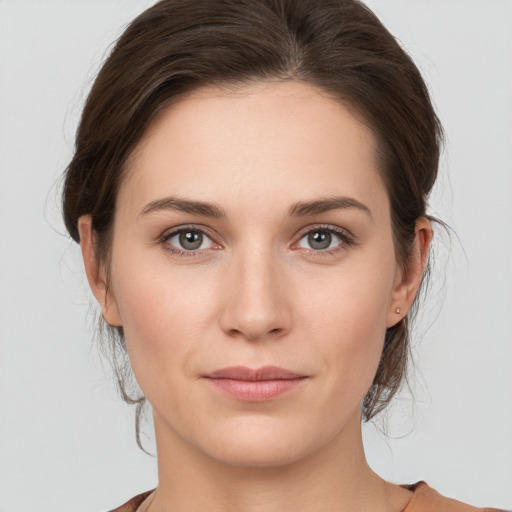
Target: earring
point(397, 311)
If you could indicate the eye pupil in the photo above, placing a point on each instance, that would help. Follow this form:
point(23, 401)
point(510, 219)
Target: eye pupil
point(191, 240)
point(319, 239)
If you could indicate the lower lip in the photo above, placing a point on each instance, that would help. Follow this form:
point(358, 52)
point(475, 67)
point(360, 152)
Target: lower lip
point(256, 391)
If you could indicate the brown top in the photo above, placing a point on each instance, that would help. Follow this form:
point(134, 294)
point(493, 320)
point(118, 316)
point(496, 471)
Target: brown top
point(134, 503)
point(424, 499)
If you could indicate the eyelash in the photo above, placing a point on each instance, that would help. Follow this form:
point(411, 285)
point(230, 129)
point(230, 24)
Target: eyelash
point(346, 240)
point(183, 253)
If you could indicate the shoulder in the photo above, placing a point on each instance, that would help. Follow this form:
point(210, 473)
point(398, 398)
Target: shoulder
point(426, 499)
point(133, 504)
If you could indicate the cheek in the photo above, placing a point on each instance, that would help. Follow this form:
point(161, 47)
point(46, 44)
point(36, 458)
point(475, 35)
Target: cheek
point(346, 318)
point(164, 316)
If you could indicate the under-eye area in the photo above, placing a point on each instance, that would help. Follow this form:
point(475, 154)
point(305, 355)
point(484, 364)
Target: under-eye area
point(194, 241)
point(325, 239)
point(188, 241)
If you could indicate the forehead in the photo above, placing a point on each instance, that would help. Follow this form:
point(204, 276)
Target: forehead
point(222, 145)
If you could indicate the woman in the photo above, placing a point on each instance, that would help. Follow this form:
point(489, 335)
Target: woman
point(249, 192)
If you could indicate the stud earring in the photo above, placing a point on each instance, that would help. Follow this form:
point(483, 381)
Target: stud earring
point(398, 311)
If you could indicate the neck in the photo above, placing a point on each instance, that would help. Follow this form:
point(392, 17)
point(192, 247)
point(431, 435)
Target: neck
point(336, 477)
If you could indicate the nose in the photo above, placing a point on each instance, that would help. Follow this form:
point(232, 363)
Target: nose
point(255, 305)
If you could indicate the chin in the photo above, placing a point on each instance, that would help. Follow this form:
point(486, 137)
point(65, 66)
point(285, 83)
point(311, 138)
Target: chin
point(261, 444)
point(258, 455)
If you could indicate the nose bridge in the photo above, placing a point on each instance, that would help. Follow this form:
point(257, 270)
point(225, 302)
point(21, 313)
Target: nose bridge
point(255, 307)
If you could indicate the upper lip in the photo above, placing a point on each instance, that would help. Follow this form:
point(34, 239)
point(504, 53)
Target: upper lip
point(248, 374)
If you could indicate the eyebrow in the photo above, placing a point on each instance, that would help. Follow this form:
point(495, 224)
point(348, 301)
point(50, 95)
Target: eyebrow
point(183, 205)
point(304, 208)
point(205, 209)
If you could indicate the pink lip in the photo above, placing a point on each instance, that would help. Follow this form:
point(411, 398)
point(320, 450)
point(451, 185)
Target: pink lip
point(257, 385)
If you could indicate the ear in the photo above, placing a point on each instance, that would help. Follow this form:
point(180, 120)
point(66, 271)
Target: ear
point(96, 272)
point(407, 283)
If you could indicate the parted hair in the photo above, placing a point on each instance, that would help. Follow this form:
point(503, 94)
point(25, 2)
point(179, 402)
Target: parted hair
point(178, 46)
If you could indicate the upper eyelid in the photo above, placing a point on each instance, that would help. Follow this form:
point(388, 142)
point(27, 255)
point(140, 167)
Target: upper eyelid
point(303, 230)
point(325, 227)
point(337, 230)
point(347, 239)
point(168, 233)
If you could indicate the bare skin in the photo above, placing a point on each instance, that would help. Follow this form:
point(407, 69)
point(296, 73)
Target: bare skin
point(253, 229)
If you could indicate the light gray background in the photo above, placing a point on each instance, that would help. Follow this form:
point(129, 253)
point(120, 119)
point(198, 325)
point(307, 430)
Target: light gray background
point(67, 441)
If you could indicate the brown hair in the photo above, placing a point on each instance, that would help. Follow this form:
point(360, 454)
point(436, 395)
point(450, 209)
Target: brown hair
point(178, 46)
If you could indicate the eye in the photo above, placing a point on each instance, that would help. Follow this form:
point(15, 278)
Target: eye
point(324, 239)
point(188, 239)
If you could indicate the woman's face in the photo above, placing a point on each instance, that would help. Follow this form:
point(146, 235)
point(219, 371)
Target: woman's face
point(253, 272)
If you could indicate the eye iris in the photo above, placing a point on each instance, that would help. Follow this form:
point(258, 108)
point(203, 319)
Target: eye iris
point(191, 240)
point(319, 239)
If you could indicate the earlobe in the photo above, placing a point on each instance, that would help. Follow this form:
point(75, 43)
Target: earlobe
point(407, 283)
point(96, 272)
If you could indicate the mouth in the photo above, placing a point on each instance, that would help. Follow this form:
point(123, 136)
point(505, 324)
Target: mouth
point(258, 385)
